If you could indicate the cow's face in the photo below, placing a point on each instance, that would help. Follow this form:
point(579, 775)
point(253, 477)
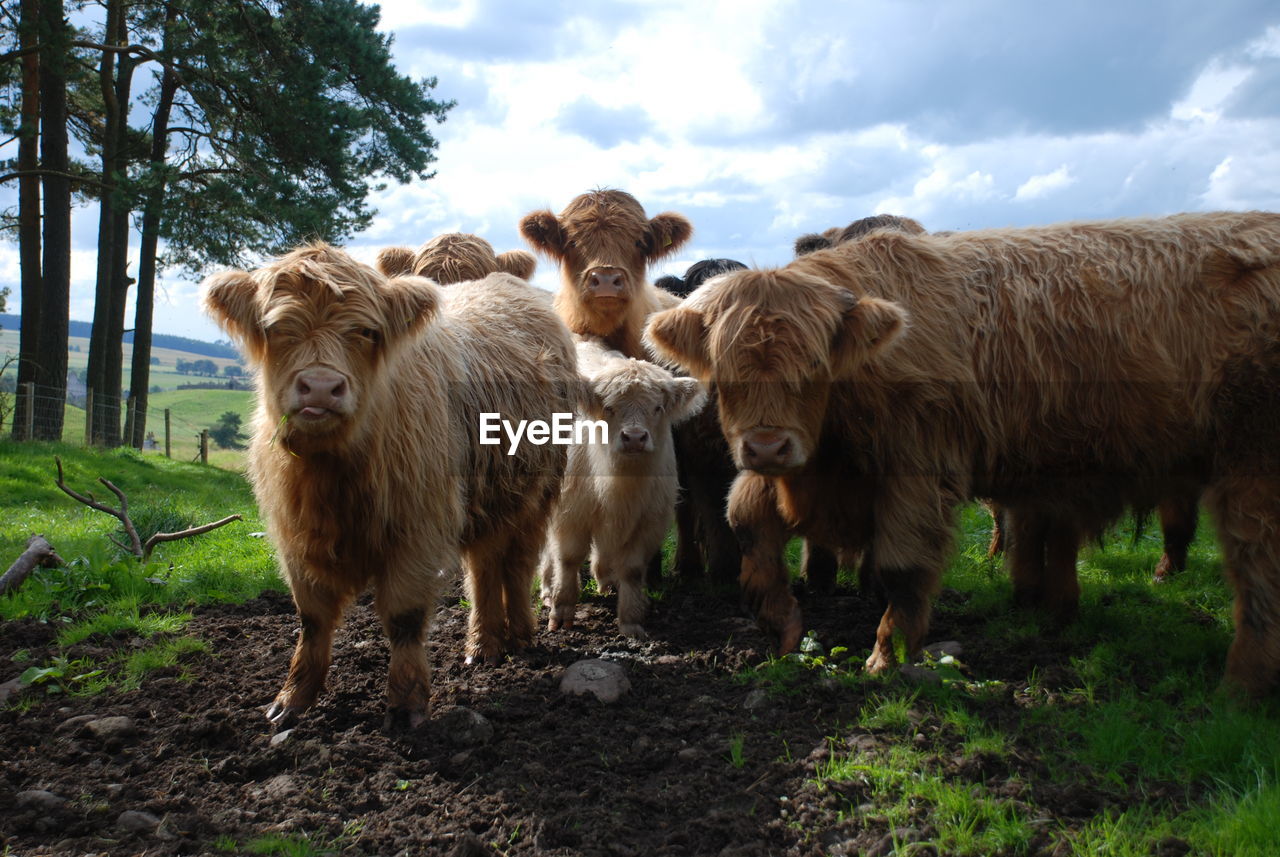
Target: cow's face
point(640, 402)
point(772, 343)
point(318, 326)
point(604, 244)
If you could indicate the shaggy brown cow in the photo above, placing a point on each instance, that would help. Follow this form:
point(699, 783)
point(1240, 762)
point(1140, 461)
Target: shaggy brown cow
point(604, 244)
point(366, 458)
point(455, 257)
point(829, 238)
point(618, 498)
point(1057, 370)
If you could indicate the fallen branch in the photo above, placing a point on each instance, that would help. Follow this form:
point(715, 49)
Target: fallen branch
point(135, 546)
point(39, 554)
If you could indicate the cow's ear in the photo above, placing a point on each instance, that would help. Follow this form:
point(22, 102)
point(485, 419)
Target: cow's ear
point(679, 337)
point(810, 243)
point(866, 326)
point(685, 398)
point(231, 299)
point(410, 304)
point(542, 230)
point(518, 263)
point(667, 233)
point(394, 261)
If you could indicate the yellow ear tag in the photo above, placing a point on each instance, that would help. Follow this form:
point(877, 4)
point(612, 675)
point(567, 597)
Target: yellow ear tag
point(667, 242)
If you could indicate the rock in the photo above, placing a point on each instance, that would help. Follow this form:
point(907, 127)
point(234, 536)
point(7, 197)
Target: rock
point(112, 731)
point(136, 821)
point(114, 791)
point(9, 688)
point(757, 698)
point(279, 786)
point(605, 680)
point(464, 727)
point(689, 754)
point(947, 647)
point(39, 800)
point(74, 724)
point(280, 737)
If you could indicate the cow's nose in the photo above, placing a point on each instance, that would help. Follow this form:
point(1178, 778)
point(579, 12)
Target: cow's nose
point(634, 439)
point(766, 449)
point(605, 284)
point(320, 388)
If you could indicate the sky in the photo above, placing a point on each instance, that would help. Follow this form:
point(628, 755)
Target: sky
point(761, 120)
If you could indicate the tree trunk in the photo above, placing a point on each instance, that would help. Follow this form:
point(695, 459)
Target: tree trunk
point(28, 214)
point(140, 371)
point(51, 354)
point(99, 378)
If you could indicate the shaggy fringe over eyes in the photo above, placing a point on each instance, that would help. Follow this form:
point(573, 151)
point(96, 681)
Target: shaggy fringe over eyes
point(788, 320)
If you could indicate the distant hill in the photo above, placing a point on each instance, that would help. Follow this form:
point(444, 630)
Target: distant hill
point(158, 340)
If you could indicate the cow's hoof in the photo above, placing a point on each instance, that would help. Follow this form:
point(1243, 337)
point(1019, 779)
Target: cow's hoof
point(484, 660)
point(284, 716)
point(634, 630)
point(879, 661)
point(400, 719)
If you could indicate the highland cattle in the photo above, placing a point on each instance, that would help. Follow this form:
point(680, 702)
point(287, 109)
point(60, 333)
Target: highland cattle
point(1065, 371)
point(618, 497)
point(365, 458)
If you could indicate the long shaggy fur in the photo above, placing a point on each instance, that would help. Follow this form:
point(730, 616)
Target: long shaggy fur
point(455, 257)
point(392, 488)
point(1062, 368)
point(618, 500)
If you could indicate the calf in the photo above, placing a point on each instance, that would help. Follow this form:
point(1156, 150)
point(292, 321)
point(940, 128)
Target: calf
point(455, 257)
point(365, 457)
point(1063, 371)
point(618, 497)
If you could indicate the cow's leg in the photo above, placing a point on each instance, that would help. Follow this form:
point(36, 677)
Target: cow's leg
point(762, 536)
point(996, 545)
point(405, 603)
point(910, 545)
point(820, 568)
point(633, 601)
point(1178, 516)
point(486, 623)
point(687, 561)
point(1247, 512)
point(319, 611)
point(1025, 533)
point(1060, 588)
point(563, 563)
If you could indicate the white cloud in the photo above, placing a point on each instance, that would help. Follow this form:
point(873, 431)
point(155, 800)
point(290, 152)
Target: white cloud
point(764, 119)
point(1043, 185)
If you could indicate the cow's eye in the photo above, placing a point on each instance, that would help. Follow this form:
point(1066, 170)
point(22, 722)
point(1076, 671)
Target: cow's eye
point(608, 411)
point(657, 409)
point(371, 335)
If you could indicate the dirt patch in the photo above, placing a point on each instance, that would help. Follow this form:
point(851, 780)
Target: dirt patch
point(701, 757)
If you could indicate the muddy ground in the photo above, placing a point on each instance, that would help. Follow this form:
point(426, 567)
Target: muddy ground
point(702, 757)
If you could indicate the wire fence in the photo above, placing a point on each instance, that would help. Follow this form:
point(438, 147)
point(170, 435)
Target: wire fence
point(38, 413)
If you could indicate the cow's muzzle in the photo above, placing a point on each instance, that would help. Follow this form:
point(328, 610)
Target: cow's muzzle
point(769, 450)
point(320, 393)
point(606, 282)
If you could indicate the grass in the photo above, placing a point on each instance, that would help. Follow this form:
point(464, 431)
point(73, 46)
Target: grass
point(104, 592)
point(1131, 710)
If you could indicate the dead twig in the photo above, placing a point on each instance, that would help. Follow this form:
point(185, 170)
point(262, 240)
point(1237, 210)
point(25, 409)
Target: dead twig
point(135, 546)
point(39, 554)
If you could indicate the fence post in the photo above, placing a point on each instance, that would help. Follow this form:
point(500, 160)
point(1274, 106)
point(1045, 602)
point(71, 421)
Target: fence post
point(31, 410)
point(127, 440)
point(88, 417)
point(204, 446)
point(168, 452)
